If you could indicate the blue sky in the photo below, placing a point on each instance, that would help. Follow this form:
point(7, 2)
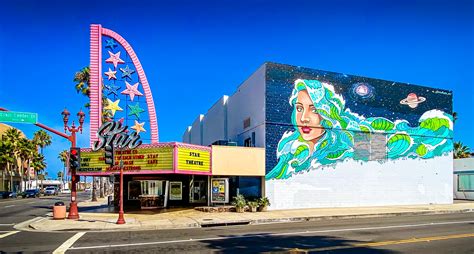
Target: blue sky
point(193, 52)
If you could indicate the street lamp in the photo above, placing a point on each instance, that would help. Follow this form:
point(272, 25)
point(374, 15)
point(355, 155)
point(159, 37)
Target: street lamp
point(73, 211)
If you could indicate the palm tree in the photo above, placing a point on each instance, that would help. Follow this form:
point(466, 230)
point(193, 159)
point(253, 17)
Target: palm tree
point(26, 152)
point(82, 85)
point(38, 163)
point(461, 151)
point(64, 158)
point(6, 158)
point(42, 140)
point(12, 136)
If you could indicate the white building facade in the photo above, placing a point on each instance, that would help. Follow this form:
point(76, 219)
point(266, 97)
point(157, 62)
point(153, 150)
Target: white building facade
point(337, 140)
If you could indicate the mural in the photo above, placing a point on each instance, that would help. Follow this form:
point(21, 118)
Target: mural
point(335, 117)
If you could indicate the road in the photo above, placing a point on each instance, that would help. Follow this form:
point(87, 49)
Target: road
point(14, 211)
point(451, 233)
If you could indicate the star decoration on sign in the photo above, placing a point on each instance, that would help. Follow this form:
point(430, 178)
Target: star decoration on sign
point(127, 72)
point(113, 106)
point(112, 89)
point(131, 90)
point(138, 127)
point(115, 59)
point(135, 110)
point(110, 44)
point(111, 74)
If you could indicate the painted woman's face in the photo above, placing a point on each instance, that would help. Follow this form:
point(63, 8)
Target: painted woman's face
point(306, 117)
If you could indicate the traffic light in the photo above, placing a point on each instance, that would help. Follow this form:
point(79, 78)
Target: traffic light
point(75, 158)
point(109, 155)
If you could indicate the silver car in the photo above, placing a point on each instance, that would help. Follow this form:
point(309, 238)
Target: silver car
point(50, 191)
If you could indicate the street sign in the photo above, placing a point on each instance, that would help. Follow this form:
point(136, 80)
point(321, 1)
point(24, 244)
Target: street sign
point(18, 117)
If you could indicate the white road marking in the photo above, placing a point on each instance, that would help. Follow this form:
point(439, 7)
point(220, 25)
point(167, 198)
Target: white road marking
point(31, 202)
point(271, 234)
point(9, 206)
point(9, 224)
point(68, 243)
point(7, 234)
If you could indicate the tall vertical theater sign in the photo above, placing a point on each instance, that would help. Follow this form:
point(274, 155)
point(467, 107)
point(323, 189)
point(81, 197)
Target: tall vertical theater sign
point(120, 92)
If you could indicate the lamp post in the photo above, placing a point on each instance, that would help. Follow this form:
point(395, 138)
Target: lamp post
point(73, 211)
point(121, 219)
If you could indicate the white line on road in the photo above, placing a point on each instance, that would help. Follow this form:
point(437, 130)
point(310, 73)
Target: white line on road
point(65, 246)
point(271, 234)
point(9, 206)
point(9, 224)
point(7, 234)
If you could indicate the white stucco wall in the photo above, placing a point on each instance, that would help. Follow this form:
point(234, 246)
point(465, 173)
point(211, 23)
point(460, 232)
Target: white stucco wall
point(351, 183)
point(248, 101)
point(185, 137)
point(196, 130)
point(214, 122)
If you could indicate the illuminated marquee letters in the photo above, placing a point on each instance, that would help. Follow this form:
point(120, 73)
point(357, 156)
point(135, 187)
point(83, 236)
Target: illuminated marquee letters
point(115, 135)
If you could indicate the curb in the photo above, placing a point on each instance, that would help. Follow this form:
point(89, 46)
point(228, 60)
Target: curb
point(27, 225)
point(357, 216)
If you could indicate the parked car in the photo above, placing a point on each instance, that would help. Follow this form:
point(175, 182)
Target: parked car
point(33, 193)
point(50, 191)
point(9, 194)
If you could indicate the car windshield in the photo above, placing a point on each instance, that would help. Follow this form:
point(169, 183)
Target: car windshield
point(30, 190)
point(50, 188)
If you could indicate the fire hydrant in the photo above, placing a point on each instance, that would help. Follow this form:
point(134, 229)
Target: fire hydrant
point(59, 211)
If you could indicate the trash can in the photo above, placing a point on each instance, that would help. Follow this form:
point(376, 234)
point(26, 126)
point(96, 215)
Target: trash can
point(59, 211)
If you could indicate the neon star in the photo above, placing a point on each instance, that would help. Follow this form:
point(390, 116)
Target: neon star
point(110, 44)
point(135, 110)
point(114, 58)
point(131, 90)
point(138, 127)
point(112, 89)
point(111, 74)
point(127, 72)
point(113, 106)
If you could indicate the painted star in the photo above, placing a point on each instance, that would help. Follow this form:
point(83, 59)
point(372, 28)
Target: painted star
point(113, 106)
point(131, 90)
point(110, 44)
point(114, 58)
point(111, 74)
point(135, 110)
point(138, 127)
point(112, 89)
point(127, 72)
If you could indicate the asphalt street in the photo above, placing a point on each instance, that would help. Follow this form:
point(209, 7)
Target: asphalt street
point(450, 233)
point(14, 211)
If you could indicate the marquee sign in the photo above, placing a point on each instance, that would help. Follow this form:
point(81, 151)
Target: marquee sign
point(161, 158)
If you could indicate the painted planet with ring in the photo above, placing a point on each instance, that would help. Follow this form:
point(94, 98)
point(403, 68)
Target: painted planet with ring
point(412, 100)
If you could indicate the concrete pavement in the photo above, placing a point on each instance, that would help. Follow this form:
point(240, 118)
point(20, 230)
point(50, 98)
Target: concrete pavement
point(190, 218)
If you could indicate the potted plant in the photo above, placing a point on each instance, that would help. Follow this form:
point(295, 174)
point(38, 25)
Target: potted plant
point(263, 203)
point(239, 203)
point(253, 206)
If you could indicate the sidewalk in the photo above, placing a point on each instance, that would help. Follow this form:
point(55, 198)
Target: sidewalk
point(190, 218)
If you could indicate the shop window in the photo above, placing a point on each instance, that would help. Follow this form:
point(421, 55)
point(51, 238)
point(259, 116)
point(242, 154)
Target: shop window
point(465, 182)
point(151, 188)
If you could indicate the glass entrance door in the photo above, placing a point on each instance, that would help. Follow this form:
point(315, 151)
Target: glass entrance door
point(197, 191)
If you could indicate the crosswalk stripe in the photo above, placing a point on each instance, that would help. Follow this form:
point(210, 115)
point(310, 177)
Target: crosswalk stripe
point(68, 243)
point(8, 234)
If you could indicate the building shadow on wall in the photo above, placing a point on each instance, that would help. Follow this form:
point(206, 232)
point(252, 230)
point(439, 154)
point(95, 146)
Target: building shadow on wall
point(290, 244)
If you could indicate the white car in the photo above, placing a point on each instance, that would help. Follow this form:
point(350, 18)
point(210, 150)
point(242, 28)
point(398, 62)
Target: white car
point(50, 191)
